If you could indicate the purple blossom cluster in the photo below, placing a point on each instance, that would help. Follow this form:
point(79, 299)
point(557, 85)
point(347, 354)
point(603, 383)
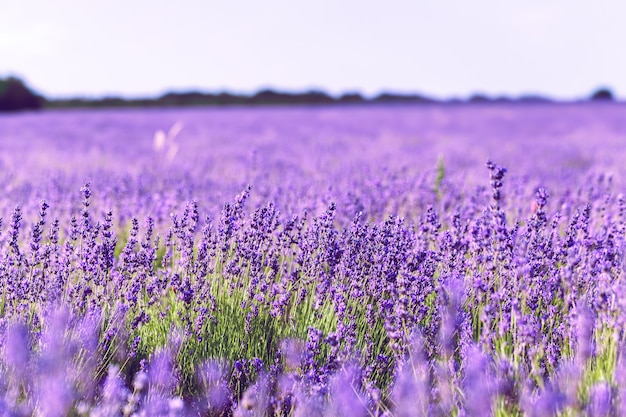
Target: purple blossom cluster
point(318, 290)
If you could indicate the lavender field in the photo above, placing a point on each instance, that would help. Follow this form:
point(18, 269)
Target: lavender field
point(398, 261)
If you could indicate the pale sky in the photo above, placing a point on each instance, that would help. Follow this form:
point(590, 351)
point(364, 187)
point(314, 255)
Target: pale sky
point(443, 48)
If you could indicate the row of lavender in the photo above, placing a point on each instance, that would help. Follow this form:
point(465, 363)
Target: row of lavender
point(487, 300)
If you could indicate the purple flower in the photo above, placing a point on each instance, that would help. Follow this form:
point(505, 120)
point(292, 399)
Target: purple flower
point(600, 400)
point(213, 381)
point(54, 395)
point(479, 384)
point(255, 400)
point(346, 397)
point(17, 349)
point(114, 395)
point(411, 386)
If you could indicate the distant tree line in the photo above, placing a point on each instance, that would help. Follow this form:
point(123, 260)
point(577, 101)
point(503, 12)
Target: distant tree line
point(15, 96)
point(263, 97)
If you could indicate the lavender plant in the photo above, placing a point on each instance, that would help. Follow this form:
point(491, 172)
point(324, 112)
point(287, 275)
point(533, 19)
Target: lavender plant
point(398, 292)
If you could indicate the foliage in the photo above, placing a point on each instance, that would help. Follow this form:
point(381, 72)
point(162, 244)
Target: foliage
point(14, 95)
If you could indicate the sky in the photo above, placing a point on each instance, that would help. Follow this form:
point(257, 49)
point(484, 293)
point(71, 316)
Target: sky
point(441, 48)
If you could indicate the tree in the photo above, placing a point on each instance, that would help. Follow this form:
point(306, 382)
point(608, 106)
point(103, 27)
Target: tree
point(14, 96)
point(602, 94)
